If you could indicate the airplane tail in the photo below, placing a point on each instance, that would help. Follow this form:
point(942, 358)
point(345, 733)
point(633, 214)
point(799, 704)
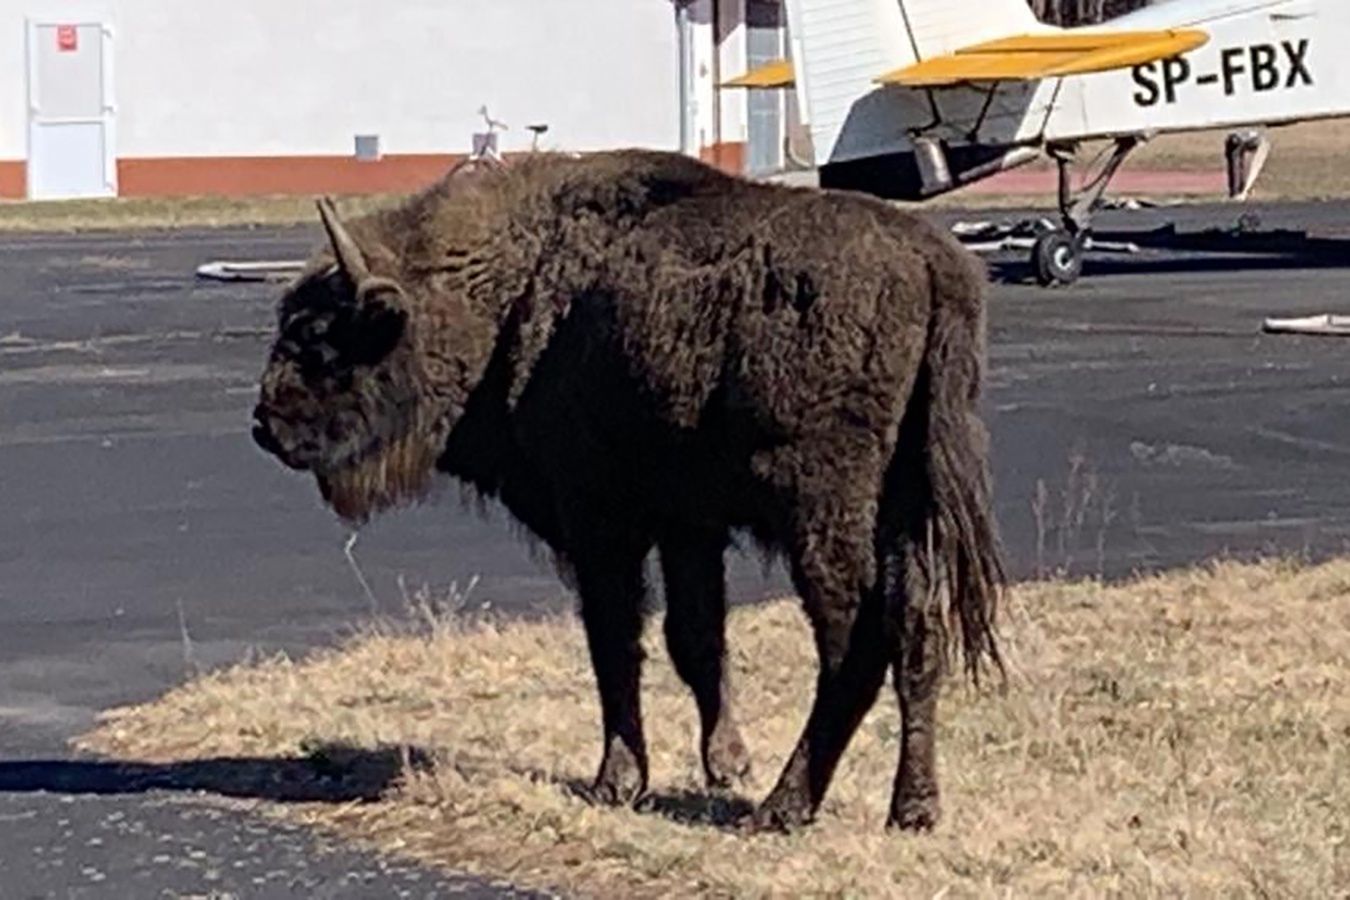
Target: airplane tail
point(840, 47)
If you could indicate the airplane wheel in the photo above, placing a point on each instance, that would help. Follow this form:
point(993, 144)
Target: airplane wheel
point(1057, 259)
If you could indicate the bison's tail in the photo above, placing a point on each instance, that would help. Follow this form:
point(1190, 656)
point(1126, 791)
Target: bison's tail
point(953, 529)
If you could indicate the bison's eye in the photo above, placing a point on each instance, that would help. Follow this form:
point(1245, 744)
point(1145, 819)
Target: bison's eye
point(316, 359)
point(347, 336)
point(309, 330)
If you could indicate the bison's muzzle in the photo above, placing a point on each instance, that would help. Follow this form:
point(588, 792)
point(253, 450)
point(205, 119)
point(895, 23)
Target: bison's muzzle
point(264, 437)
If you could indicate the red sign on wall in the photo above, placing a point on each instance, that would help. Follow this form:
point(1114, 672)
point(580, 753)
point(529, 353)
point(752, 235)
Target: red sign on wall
point(67, 38)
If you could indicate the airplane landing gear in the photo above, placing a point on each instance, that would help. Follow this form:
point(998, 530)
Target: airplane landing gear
point(1057, 256)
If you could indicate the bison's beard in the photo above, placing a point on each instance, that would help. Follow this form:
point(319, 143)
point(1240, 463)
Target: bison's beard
point(397, 474)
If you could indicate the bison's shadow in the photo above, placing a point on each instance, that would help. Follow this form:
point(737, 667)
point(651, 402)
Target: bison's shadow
point(330, 773)
point(715, 809)
point(719, 810)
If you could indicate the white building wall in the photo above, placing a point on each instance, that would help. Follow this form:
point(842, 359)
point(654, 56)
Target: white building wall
point(704, 34)
point(13, 83)
point(302, 77)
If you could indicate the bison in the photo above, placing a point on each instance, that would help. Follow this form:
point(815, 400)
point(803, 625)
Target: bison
point(633, 352)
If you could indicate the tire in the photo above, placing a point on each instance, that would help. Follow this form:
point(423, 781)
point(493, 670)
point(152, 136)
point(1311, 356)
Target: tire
point(1057, 259)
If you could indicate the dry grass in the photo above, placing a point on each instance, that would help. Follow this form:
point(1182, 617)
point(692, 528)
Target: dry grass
point(166, 212)
point(1181, 735)
point(1306, 163)
point(1325, 139)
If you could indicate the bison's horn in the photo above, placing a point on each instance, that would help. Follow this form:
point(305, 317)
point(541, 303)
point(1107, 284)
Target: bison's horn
point(349, 255)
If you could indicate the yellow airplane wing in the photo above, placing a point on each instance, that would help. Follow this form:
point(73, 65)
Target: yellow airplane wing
point(1034, 57)
point(776, 74)
point(1030, 57)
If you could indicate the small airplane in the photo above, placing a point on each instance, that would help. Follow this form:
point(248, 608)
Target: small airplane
point(909, 99)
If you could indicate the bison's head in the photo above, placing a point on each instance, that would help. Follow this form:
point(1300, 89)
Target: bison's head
point(339, 397)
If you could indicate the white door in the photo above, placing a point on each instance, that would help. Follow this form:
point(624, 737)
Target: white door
point(71, 150)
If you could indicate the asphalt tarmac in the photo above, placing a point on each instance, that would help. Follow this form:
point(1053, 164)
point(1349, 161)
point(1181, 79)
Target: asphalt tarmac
point(1139, 421)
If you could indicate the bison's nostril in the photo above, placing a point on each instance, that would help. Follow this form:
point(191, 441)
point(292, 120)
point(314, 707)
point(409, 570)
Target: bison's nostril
point(264, 438)
point(262, 431)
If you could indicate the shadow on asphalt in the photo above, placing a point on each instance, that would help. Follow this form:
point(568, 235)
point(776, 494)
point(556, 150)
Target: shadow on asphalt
point(1018, 271)
point(329, 774)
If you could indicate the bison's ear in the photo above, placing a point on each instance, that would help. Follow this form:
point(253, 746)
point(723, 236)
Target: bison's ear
point(349, 256)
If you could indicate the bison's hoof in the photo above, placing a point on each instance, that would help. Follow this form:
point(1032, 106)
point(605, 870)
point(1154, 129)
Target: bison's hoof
point(726, 761)
point(622, 780)
point(915, 813)
point(781, 813)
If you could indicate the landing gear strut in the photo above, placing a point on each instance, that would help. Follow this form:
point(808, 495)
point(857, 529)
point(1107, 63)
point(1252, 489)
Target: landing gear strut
point(1246, 153)
point(1057, 256)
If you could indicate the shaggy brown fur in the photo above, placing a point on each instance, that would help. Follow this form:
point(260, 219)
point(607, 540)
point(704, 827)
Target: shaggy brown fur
point(633, 351)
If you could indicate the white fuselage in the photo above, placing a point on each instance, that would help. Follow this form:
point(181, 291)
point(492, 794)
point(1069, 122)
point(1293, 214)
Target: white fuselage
point(1266, 62)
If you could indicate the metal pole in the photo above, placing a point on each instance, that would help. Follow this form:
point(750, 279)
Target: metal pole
point(686, 51)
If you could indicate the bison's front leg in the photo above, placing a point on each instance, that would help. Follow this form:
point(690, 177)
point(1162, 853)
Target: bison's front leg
point(612, 592)
point(693, 568)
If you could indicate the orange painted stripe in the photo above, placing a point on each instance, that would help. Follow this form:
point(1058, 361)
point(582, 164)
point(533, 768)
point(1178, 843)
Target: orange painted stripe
point(13, 179)
point(728, 156)
point(238, 176)
point(243, 176)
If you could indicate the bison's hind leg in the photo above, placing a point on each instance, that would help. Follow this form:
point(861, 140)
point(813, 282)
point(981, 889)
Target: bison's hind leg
point(833, 566)
point(917, 638)
point(915, 629)
point(938, 542)
point(693, 567)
